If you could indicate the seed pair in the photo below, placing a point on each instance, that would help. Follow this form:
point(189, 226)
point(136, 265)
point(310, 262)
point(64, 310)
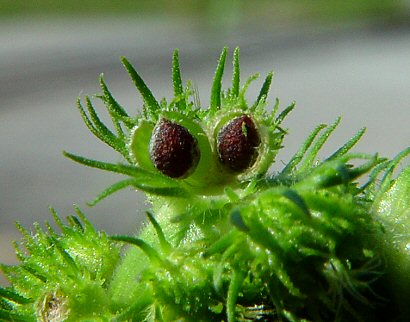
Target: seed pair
point(175, 152)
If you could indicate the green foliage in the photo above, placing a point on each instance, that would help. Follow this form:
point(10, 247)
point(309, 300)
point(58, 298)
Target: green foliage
point(59, 274)
point(392, 208)
point(308, 243)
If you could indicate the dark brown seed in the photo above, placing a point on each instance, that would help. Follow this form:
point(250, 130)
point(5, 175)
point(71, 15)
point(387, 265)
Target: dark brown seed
point(173, 150)
point(237, 144)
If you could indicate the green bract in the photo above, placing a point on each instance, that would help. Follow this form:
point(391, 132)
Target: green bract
point(226, 240)
point(62, 277)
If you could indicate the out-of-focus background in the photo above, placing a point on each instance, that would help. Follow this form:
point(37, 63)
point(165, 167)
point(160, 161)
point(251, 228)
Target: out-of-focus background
point(334, 57)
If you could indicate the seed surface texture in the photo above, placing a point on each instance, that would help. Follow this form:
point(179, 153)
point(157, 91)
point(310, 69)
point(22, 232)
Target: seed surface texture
point(237, 143)
point(173, 150)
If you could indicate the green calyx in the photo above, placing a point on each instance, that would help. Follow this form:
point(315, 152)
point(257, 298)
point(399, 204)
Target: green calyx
point(132, 137)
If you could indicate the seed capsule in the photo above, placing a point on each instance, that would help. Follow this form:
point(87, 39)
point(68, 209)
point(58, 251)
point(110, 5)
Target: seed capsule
point(237, 142)
point(173, 150)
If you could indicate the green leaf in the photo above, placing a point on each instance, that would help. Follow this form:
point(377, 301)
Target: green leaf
point(116, 111)
point(151, 183)
point(265, 88)
point(293, 196)
point(34, 272)
point(335, 172)
point(298, 156)
point(14, 317)
point(236, 75)
point(177, 81)
point(165, 245)
point(113, 105)
point(237, 221)
point(176, 192)
point(385, 181)
point(355, 172)
point(348, 145)
point(88, 227)
point(237, 277)
point(246, 85)
point(58, 221)
point(312, 155)
point(66, 256)
point(392, 208)
point(284, 113)
point(219, 267)
point(118, 168)
point(99, 129)
point(151, 103)
point(261, 235)
point(75, 223)
point(146, 248)
point(215, 102)
point(111, 190)
point(222, 243)
point(86, 120)
point(104, 133)
point(13, 296)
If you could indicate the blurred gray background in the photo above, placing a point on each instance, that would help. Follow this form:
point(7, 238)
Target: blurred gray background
point(334, 58)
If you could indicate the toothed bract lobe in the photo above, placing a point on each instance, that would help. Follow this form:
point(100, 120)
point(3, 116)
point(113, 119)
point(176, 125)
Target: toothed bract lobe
point(237, 143)
point(173, 150)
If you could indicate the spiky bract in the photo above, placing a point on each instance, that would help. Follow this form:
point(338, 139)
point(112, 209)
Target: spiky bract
point(62, 277)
